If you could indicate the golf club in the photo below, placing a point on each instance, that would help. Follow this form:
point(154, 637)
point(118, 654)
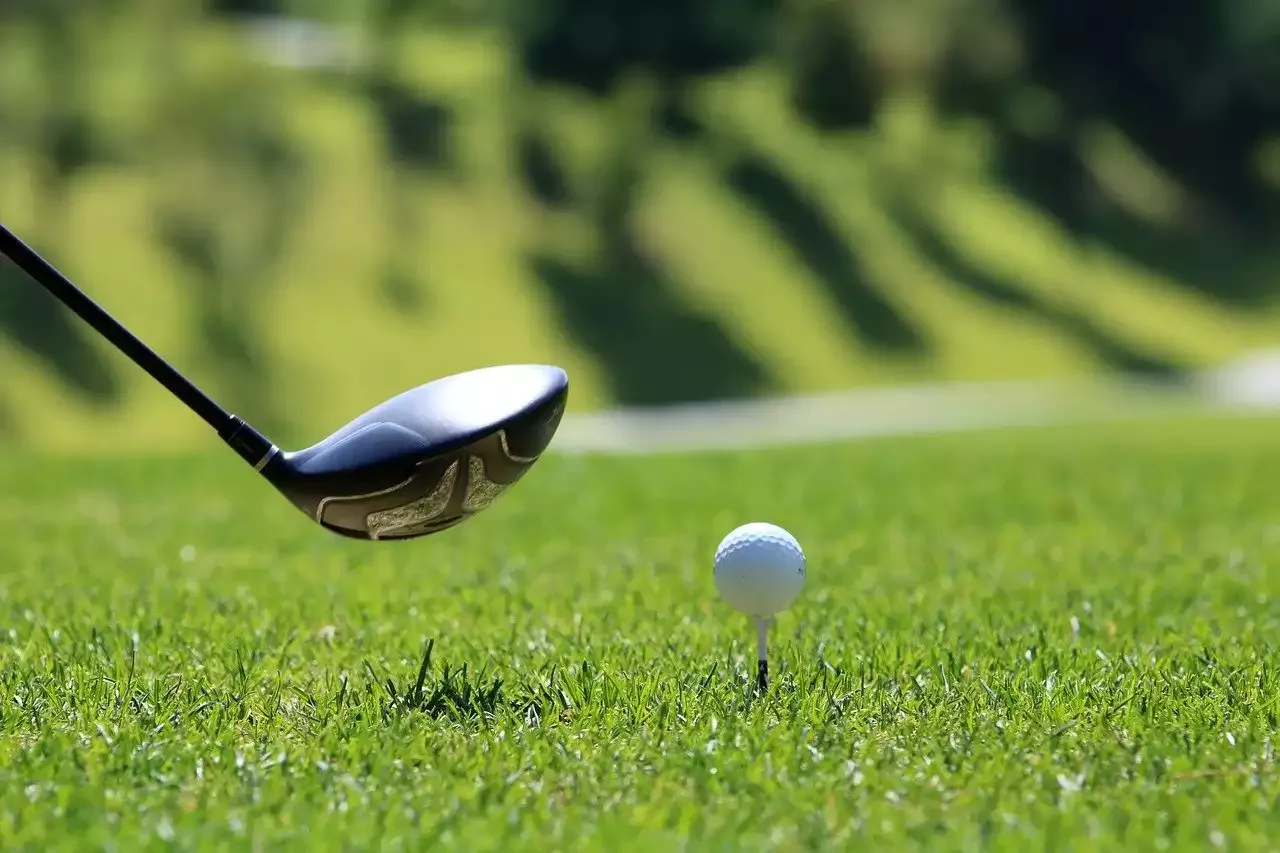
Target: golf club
point(417, 464)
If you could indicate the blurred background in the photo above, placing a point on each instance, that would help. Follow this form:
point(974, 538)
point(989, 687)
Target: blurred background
point(311, 206)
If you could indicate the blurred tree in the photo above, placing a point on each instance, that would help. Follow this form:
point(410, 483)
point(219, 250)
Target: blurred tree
point(1139, 126)
point(33, 321)
point(1192, 79)
point(590, 44)
point(833, 86)
point(248, 7)
point(545, 176)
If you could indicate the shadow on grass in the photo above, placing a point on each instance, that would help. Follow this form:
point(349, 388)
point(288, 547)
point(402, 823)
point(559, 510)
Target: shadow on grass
point(807, 229)
point(625, 308)
point(653, 349)
point(461, 695)
point(34, 321)
point(417, 131)
point(230, 347)
point(228, 217)
point(1221, 262)
point(1110, 350)
point(541, 168)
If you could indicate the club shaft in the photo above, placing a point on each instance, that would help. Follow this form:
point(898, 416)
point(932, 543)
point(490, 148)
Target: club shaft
point(47, 276)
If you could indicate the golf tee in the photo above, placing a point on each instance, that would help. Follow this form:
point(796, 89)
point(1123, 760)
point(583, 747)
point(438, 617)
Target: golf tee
point(762, 653)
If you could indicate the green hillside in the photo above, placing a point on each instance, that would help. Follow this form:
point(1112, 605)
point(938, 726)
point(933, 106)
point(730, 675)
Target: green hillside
point(735, 302)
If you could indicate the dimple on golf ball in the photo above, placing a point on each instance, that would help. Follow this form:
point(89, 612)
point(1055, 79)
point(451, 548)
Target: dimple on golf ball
point(759, 569)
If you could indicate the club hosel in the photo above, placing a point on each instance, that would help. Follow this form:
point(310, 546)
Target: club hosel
point(252, 446)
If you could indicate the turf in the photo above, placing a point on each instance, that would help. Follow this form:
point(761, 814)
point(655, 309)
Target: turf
point(1034, 639)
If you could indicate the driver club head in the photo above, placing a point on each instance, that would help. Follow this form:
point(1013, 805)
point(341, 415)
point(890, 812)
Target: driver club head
point(427, 459)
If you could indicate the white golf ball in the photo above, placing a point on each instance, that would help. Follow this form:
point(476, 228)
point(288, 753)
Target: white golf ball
point(759, 569)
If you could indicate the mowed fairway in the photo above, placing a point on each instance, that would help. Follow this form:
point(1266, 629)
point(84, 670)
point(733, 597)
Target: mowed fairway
point(1045, 638)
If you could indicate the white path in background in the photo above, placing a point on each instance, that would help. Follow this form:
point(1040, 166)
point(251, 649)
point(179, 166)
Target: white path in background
point(1251, 386)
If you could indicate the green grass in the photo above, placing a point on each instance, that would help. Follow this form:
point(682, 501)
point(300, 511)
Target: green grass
point(1055, 638)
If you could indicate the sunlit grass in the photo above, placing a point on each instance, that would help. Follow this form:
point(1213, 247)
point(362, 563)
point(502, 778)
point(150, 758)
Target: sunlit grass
point(1050, 637)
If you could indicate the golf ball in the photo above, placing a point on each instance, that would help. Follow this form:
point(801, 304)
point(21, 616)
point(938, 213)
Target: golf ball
point(759, 569)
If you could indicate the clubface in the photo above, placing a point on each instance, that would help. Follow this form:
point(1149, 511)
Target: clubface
point(428, 459)
point(419, 463)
